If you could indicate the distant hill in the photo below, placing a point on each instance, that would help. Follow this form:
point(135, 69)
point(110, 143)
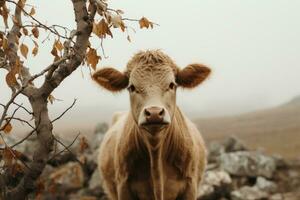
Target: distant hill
point(276, 130)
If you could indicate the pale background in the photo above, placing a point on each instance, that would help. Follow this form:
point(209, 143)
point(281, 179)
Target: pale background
point(252, 46)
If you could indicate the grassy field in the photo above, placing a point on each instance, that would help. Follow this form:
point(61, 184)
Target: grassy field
point(275, 131)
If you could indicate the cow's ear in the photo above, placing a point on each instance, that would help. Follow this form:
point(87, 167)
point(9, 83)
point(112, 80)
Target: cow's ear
point(111, 79)
point(192, 75)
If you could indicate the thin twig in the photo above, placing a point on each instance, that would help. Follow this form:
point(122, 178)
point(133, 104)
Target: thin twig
point(102, 48)
point(62, 114)
point(22, 140)
point(66, 148)
point(53, 65)
point(28, 111)
point(54, 31)
point(20, 120)
point(8, 120)
point(28, 135)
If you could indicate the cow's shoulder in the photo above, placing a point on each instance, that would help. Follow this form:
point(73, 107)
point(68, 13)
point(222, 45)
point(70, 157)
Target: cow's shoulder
point(195, 134)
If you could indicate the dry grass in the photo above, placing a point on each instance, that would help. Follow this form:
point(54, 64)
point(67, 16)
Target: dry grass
point(275, 130)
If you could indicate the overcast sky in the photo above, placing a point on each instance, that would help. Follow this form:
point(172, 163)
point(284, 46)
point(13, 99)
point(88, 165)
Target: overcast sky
point(252, 46)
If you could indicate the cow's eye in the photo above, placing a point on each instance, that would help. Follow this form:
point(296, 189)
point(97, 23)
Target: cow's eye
point(131, 88)
point(172, 86)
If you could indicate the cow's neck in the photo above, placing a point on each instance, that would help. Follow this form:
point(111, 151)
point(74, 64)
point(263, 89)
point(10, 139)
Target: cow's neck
point(168, 146)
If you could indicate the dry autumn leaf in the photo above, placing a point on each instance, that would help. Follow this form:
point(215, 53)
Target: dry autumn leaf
point(35, 32)
point(144, 22)
point(116, 20)
point(122, 26)
point(11, 75)
point(58, 45)
point(24, 50)
point(7, 128)
point(35, 51)
point(92, 58)
point(128, 38)
point(21, 3)
point(10, 78)
point(51, 98)
point(101, 29)
point(25, 31)
point(5, 44)
point(54, 51)
point(4, 13)
point(83, 144)
point(32, 11)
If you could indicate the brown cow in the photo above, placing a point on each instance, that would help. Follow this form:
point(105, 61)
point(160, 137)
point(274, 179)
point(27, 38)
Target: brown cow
point(153, 152)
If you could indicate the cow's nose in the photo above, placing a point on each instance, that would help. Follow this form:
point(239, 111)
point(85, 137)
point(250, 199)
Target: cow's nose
point(154, 115)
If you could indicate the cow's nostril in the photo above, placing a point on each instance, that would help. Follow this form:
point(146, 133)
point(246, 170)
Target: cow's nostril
point(147, 113)
point(162, 112)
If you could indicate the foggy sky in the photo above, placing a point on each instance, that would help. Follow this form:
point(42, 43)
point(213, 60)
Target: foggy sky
point(253, 48)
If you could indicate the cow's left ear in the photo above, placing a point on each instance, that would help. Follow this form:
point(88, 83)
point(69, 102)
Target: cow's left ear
point(111, 79)
point(192, 75)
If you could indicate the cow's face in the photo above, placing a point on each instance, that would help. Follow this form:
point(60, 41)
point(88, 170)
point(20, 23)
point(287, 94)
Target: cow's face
point(152, 90)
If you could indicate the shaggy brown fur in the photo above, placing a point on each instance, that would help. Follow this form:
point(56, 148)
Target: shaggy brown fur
point(136, 164)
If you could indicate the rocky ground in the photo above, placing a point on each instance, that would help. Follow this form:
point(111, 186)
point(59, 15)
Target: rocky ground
point(233, 173)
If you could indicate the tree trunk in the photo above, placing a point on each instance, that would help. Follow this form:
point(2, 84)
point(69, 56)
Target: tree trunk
point(40, 157)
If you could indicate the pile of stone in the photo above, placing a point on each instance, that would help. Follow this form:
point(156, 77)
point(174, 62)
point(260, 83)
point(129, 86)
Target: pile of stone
point(233, 173)
point(236, 173)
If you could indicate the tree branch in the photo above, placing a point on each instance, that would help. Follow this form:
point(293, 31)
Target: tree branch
point(83, 32)
point(38, 101)
point(40, 24)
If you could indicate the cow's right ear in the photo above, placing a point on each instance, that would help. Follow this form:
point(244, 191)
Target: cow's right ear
point(111, 79)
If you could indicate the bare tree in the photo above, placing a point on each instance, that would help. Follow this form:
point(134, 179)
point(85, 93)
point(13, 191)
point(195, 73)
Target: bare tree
point(71, 48)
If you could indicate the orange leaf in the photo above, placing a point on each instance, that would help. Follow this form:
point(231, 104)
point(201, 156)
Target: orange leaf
point(7, 128)
point(144, 22)
point(101, 29)
point(24, 50)
point(35, 51)
point(11, 75)
point(92, 58)
point(35, 32)
point(10, 78)
point(58, 45)
point(54, 51)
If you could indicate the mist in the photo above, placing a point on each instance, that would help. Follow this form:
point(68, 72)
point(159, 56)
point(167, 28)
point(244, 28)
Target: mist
point(252, 48)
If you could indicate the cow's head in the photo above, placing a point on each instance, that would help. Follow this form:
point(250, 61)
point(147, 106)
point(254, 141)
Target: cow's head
point(152, 79)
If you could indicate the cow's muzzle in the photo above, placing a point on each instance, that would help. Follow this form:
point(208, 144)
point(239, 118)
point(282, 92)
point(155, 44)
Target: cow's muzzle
point(154, 117)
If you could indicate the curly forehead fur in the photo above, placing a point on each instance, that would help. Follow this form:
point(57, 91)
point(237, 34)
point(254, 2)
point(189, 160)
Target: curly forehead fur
point(150, 58)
